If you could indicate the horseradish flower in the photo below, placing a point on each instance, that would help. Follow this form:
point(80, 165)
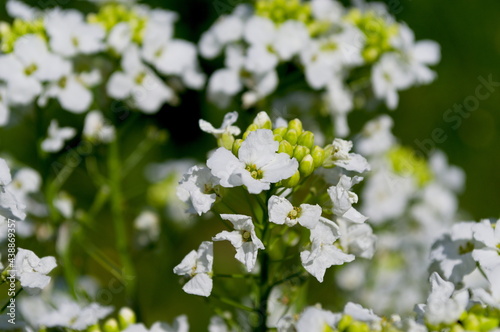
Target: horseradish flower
point(444, 306)
point(376, 137)
point(10, 205)
point(226, 127)
point(97, 129)
point(343, 199)
point(148, 91)
point(71, 35)
point(316, 319)
point(281, 211)
point(388, 76)
point(243, 239)
point(357, 239)
point(257, 166)
point(74, 315)
point(31, 271)
point(198, 266)
point(198, 189)
point(489, 234)
point(180, 324)
point(323, 252)
point(56, 137)
point(338, 154)
point(492, 297)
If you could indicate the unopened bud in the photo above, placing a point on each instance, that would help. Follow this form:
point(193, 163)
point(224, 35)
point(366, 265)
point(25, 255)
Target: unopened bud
point(236, 146)
point(280, 131)
point(226, 140)
point(344, 322)
point(126, 317)
point(278, 138)
point(318, 155)
point(292, 181)
point(306, 166)
point(300, 152)
point(358, 327)
point(111, 325)
point(306, 139)
point(328, 160)
point(92, 328)
point(292, 136)
point(285, 147)
point(295, 124)
point(262, 121)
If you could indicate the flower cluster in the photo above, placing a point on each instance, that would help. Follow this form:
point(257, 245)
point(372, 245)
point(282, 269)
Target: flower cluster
point(347, 55)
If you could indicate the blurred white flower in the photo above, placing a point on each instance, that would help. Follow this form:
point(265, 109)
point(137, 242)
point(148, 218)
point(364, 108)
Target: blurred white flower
point(56, 137)
point(243, 239)
point(31, 271)
point(343, 199)
point(226, 127)
point(97, 128)
point(488, 234)
point(198, 189)
point(316, 319)
point(180, 324)
point(198, 266)
point(376, 137)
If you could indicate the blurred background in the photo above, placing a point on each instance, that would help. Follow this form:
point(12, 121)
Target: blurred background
point(469, 35)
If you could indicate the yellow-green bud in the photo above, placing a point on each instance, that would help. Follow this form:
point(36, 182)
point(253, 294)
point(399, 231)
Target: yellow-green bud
point(295, 124)
point(457, 328)
point(236, 146)
point(285, 147)
point(280, 131)
point(92, 328)
point(358, 327)
point(328, 159)
point(262, 121)
point(306, 166)
point(306, 139)
point(292, 181)
point(300, 152)
point(278, 138)
point(292, 136)
point(111, 325)
point(126, 317)
point(226, 140)
point(471, 323)
point(488, 323)
point(344, 322)
point(318, 155)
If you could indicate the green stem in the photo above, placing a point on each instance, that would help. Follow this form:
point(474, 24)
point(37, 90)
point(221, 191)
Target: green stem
point(137, 155)
point(234, 276)
point(8, 301)
point(233, 303)
point(115, 175)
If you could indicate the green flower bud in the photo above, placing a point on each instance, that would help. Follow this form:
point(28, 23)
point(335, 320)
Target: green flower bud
point(92, 328)
point(488, 323)
point(280, 131)
point(262, 121)
point(126, 317)
point(306, 166)
point(226, 140)
point(292, 136)
point(285, 147)
point(306, 139)
point(300, 152)
point(318, 155)
point(278, 138)
point(295, 124)
point(344, 322)
point(471, 323)
point(236, 146)
point(111, 325)
point(457, 328)
point(358, 327)
point(292, 181)
point(328, 159)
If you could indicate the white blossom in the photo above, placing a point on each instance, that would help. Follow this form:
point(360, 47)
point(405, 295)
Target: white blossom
point(243, 239)
point(343, 199)
point(97, 128)
point(180, 324)
point(376, 137)
point(488, 234)
point(198, 189)
point(314, 319)
point(257, 166)
point(281, 211)
point(56, 137)
point(32, 271)
point(226, 127)
point(198, 266)
point(343, 158)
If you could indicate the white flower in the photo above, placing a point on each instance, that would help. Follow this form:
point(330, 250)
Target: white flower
point(18, 9)
point(73, 315)
point(4, 107)
point(358, 313)
point(31, 271)
point(137, 81)
point(24, 69)
point(323, 252)
point(226, 127)
point(70, 35)
point(198, 188)
point(327, 10)
point(340, 102)
point(343, 158)
point(343, 199)
point(257, 166)
point(10, 205)
point(357, 239)
point(443, 305)
point(64, 204)
point(243, 239)
point(488, 234)
point(148, 225)
point(388, 76)
point(25, 182)
point(491, 298)
point(315, 320)
point(120, 37)
point(417, 55)
point(376, 137)
point(281, 211)
point(451, 177)
point(96, 128)
point(198, 266)
point(56, 137)
point(72, 89)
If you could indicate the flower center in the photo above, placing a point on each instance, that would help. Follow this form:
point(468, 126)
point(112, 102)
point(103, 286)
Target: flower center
point(257, 174)
point(62, 82)
point(294, 213)
point(247, 237)
point(75, 42)
point(30, 69)
point(140, 78)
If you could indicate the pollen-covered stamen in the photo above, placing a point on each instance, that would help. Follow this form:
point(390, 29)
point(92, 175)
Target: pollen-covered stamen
point(254, 172)
point(295, 213)
point(247, 237)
